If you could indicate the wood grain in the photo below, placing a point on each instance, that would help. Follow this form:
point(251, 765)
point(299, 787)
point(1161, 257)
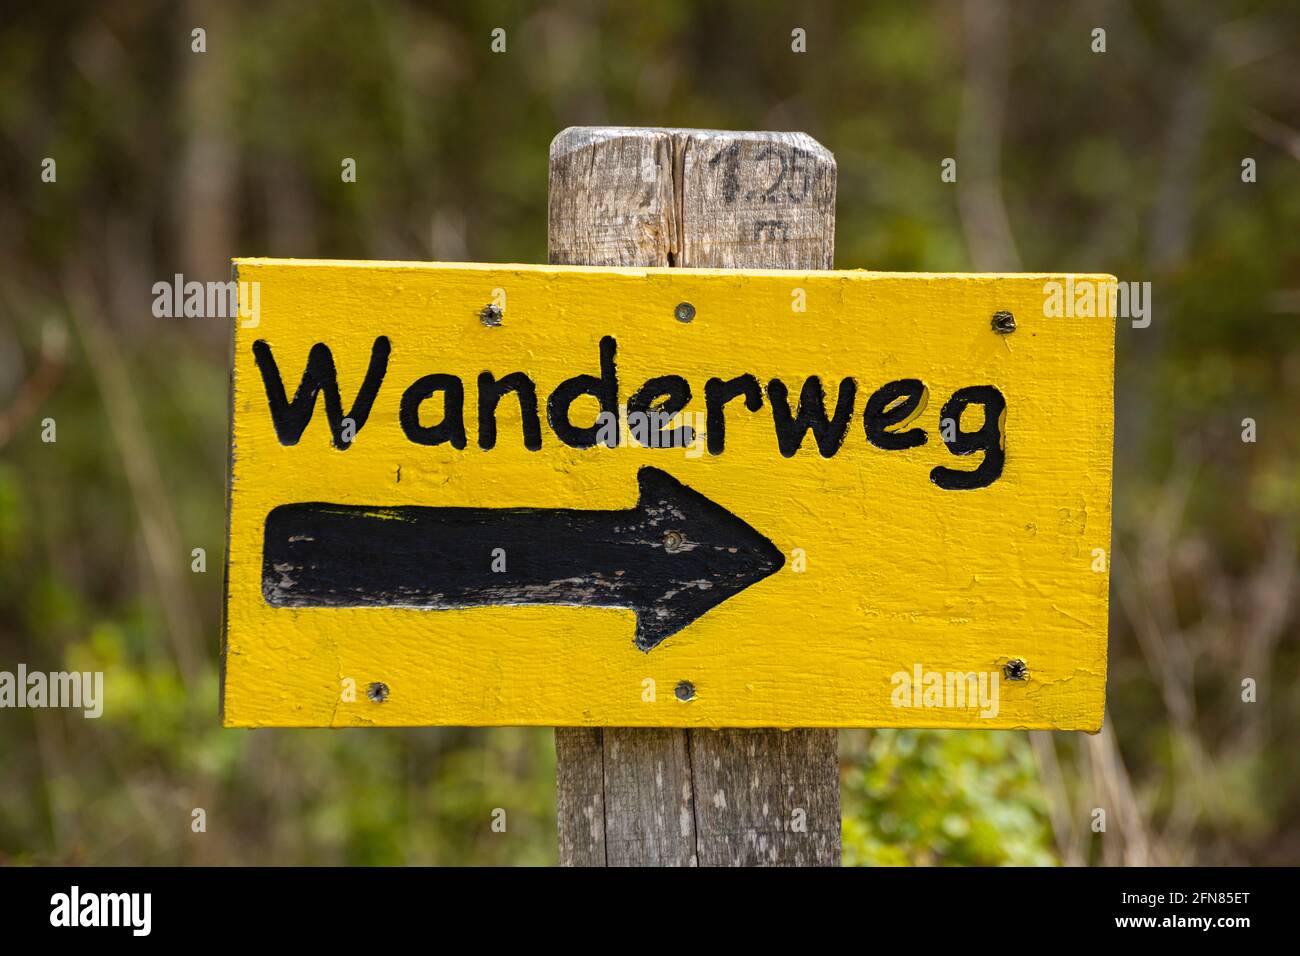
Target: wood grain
point(694, 198)
point(611, 199)
point(754, 201)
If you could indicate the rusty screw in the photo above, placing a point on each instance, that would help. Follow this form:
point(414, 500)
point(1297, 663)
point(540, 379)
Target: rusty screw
point(378, 692)
point(1015, 669)
point(490, 315)
point(1004, 323)
point(673, 541)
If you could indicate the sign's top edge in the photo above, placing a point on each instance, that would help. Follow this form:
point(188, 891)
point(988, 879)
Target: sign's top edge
point(381, 264)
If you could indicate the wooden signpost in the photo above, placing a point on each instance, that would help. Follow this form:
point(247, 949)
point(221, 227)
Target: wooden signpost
point(665, 507)
point(724, 200)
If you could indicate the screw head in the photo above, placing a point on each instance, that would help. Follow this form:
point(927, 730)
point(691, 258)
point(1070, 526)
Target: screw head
point(1004, 323)
point(685, 690)
point(490, 315)
point(674, 541)
point(1015, 669)
point(377, 692)
point(684, 312)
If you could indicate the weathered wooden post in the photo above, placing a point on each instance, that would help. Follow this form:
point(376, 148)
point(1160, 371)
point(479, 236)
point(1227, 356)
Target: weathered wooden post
point(703, 199)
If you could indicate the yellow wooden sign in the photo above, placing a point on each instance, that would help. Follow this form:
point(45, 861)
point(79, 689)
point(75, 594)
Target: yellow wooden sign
point(500, 494)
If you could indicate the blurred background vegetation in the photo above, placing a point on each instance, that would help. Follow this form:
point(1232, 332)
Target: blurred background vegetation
point(1127, 162)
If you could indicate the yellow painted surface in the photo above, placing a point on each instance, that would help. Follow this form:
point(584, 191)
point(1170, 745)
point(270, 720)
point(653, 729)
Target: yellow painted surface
point(898, 573)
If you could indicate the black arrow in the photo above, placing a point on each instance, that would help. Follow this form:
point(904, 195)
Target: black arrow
point(673, 557)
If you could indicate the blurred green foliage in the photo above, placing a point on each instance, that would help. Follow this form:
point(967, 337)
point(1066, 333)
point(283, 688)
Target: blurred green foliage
point(170, 161)
point(942, 797)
